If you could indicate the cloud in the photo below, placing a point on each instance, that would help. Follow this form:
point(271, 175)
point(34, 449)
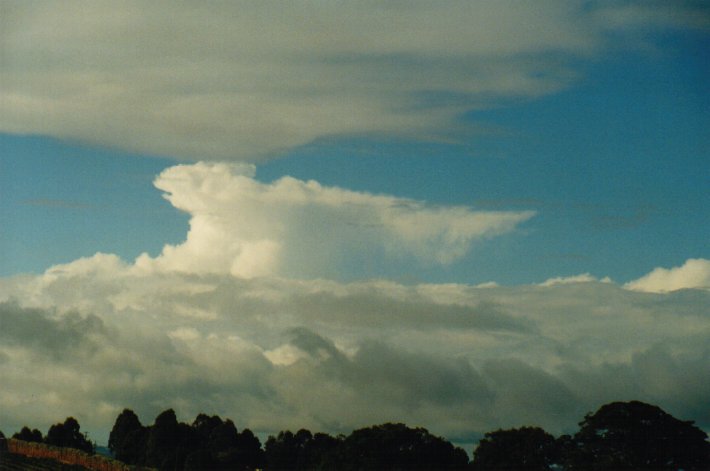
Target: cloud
point(694, 273)
point(296, 228)
point(49, 334)
point(249, 80)
point(92, 337)
point(581, 278)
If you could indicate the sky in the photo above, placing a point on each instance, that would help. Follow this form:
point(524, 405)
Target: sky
point(458, 215)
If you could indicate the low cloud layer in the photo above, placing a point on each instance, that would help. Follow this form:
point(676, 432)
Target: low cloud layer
point(96, 335)
point(248, 80)
point(302, 229)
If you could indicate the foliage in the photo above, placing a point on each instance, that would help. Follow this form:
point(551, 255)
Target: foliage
point(619, 436)
point(127, 438)
point(635, 435)
point(69, 435)
point(302, 451)
point(28, 435)
point(208, 443)
point(384, 447)
point(524, 449)
point(398, 447)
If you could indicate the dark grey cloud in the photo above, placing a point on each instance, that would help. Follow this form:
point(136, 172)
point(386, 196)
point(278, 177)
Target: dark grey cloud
point(49, 333)
point(376, 309)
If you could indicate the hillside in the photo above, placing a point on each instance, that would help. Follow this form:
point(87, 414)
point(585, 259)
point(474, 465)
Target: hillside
point(13, 462)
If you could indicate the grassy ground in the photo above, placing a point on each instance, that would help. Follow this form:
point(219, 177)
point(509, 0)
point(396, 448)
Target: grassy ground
point(12, 462)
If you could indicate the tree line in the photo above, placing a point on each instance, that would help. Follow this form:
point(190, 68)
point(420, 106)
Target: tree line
point(619, 436)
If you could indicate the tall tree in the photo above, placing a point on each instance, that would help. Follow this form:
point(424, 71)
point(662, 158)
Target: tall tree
point(69, 435)
point(397, 447)
point(163, 441)
point(638, 436)
point(301, 451)
point(28, 435)
point(128, 437)
point(524, 449)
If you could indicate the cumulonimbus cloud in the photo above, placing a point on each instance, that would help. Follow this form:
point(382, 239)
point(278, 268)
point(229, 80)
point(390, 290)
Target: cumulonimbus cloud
point(296, 228)
point(248, 80)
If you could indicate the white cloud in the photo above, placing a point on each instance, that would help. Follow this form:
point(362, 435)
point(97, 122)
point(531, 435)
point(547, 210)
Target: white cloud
point(296, 228)
point(694, 273)
point(248, 80)
point(582, 278)
point(277, 353)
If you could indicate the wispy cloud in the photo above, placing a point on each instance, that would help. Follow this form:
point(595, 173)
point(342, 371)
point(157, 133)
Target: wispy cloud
point(248, 80)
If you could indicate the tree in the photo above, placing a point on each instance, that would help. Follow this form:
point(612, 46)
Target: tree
point(226, 447)
point(170, 442)
point(128, 438)
point(199, 460)
point(249, 452)
point(223, 437)
point(162, 437)
point(28, 435)
point(301, 451)
point(204, 425)
point(282, 452)
point(69, 435)
point(3, 444)
point(635, 435)
point(398, 447)
point(526, 448)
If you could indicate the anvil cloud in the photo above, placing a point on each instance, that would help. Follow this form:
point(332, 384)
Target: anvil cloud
point(293, 228)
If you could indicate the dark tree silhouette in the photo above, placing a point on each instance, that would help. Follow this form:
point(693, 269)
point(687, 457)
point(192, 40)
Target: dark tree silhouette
point(226, 448)
point(524, 449)
point(204, 424)
point(300, 452)
point(28, 435)
point(162, 438)
point(69, 435)
point(127, 438)
point(200, 459)
point(223, 437)
point(284, 452)
point(170, 442)
point(398, 447)
point(639, 436)
point(249, 454)
point(209, 443)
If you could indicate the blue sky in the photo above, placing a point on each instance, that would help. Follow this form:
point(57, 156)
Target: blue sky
point(216, 206)
point(614, 164)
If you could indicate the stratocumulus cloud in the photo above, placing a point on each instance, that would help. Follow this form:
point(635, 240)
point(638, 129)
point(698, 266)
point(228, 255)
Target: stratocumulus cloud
point(274, 353)
point(248, 80)
point(290, 227)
